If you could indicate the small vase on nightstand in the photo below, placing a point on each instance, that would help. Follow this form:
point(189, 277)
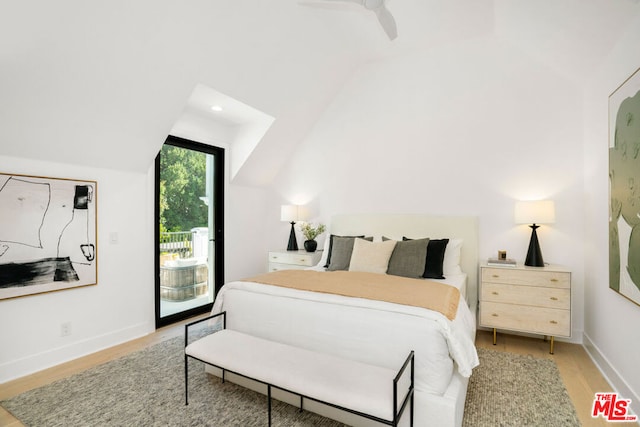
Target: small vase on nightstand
point(310, 245)
point(311, 232)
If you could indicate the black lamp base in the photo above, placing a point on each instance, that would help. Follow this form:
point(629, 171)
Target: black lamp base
point(293, 242)
point(534, 254)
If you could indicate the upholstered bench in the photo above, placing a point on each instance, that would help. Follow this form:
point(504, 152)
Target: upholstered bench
point(362, 389)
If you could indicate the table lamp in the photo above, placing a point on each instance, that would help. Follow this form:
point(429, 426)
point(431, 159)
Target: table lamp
point(534, 213)
point(290, 213)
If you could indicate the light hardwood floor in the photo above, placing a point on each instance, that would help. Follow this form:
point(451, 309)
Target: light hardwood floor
point(580, 376)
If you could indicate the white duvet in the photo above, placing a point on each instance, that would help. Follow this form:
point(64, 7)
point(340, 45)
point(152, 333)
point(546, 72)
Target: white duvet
point(374, 332)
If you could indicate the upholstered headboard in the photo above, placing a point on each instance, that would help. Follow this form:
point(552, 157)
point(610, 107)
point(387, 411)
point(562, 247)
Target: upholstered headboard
point(396, 226)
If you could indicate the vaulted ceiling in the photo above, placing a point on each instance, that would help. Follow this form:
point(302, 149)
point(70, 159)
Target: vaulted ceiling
point(102, 83)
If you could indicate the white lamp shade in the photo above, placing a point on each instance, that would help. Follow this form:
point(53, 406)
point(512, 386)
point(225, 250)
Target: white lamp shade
point(289, 213)
point(535, 212)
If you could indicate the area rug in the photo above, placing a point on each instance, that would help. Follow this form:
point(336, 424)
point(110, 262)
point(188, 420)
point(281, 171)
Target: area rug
point(517, 390)
point(146, 388)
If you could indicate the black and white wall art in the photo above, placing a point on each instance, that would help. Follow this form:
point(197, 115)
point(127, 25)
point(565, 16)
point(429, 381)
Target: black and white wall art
point(624, 188)
point(48, 234)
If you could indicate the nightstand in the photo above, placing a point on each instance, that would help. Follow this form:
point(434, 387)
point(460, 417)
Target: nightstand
point(293, 260)
point(526, 299)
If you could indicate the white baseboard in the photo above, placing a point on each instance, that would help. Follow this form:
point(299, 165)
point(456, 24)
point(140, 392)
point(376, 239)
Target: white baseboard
point(611, 374)
point(37, 362)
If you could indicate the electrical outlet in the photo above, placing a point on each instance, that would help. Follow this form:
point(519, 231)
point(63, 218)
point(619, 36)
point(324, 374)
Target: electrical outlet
point(65, 329)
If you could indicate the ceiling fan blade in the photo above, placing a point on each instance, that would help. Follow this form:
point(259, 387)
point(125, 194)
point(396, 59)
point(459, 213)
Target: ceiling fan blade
point(387, 21)
point(377, 6)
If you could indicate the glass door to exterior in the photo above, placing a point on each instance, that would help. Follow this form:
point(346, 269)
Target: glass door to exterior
point(189, 228)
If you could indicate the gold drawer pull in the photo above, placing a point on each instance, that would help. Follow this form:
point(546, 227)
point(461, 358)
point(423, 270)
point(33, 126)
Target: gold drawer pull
point(274, 257)
point(494, 315)
point(553, 322)
point(554, 299)
point(554, 280)
point(302, 260)
point(495, 275)
point(494, 293)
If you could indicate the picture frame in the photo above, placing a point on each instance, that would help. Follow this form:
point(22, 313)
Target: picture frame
point(48, 234)
point(624, 188)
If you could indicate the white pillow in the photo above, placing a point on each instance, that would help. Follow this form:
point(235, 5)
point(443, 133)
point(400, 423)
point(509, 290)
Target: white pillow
point(451, 263)
point(372, 257)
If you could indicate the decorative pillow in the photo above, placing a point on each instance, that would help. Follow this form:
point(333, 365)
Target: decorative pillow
point(408, 258)
point(372, 257)
point(434, 265)
point(330, 248)
point(341, 249)
point(434, 261)
point(451, 264)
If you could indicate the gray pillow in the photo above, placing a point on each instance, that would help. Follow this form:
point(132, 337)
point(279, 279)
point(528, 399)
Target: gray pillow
point(408, 258)
point(331, 237)
point(341, 249)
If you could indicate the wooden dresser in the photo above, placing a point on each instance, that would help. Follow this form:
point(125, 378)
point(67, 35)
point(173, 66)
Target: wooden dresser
point(526, 299)
point(293, 260)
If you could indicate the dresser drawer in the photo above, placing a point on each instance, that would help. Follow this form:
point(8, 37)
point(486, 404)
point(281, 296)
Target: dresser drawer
point(275, 266)
point(294, 258)
point(526, 295)
point(552, 279)
point(545, 321)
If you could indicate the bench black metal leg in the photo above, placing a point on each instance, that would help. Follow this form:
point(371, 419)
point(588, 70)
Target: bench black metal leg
point(411, 413)
point(186, 380)
point(269, 402)
point(301, 403)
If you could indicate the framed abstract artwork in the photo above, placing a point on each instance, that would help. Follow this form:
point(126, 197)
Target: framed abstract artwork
point(624, 188)
point(48, 234)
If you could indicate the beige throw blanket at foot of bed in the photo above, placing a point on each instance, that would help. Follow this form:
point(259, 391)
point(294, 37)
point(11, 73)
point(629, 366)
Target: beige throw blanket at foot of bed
point(381, 287)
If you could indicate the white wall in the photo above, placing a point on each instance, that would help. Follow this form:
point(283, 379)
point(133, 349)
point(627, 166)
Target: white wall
point(611, 334)
point(462, 130)
point(246, 244)
point(118, 309)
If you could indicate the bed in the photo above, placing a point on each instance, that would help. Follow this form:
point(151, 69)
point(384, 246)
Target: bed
point(372, 331)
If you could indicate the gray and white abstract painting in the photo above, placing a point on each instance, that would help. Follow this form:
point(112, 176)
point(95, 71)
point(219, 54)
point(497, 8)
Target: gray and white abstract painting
point(47, 234)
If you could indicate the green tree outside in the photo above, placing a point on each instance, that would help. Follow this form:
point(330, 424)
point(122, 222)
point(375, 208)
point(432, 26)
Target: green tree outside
point(182, 183)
